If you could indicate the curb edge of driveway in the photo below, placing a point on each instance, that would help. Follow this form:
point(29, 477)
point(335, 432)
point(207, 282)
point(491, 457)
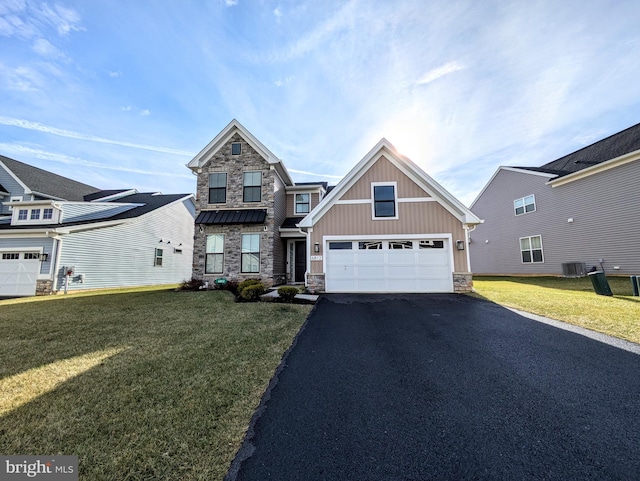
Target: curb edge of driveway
point(247, 447)
point(595, 335)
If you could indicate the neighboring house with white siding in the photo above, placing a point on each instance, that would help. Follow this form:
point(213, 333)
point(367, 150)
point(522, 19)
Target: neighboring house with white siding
point(102, 238)
point(386, 227)
point(565, 217)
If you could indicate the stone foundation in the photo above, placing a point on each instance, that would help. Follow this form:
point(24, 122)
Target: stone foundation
point(462, 282)
point(315, 282)
point(44, 287)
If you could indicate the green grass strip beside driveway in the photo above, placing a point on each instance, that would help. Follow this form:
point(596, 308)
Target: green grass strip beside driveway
point(140, 384)
point(569, 300)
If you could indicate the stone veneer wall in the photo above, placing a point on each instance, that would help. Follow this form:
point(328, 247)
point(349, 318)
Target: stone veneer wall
point(44, 287)
point(315, 282)
point(462, 282)
point(235, 166)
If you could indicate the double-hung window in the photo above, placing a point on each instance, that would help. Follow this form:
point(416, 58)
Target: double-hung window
point(525, 205)
point(252, 186)
point(157, 261)
point(250, 255)
point(531, 249)
point(384, 201)
point(303, 203)
point(218, 188)
point(215, 254)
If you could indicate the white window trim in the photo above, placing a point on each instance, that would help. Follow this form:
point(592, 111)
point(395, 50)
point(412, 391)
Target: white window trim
point(524, 205)
point(259, 252)
point(206, 253)
point(295, 204)
point(531, 249)
point(373, 200)
point(156, 257)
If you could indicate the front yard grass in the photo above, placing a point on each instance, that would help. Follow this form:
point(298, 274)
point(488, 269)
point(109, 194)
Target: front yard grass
point(140, 384)
point(569, 300)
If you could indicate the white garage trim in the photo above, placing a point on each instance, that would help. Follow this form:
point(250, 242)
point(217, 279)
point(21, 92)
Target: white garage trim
point(18, 277)
point(446, 284)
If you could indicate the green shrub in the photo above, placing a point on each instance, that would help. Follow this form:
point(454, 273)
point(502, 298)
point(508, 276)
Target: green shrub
point(252, 292)
point(247, 283)
point(287, 293)
point(192, 284)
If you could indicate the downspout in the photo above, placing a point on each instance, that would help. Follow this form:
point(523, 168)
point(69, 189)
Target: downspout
point(307, 234)
point(467, 230)
point(56, 259)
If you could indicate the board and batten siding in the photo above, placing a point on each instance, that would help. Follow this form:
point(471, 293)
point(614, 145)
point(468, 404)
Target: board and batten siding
point(123, 255)
point(37, 244)
point(383, 171)
point(603, 207)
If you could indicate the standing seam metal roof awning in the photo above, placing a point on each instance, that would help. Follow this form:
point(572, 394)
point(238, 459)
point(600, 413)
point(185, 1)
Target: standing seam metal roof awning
point(244, 216)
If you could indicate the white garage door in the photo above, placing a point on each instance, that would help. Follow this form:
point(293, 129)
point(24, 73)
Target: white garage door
point(18, 273)
point(417, 265)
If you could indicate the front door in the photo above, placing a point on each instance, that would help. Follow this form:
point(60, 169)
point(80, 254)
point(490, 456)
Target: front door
point(300, 261)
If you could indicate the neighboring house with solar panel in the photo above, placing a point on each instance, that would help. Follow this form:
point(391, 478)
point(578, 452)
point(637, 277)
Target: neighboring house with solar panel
point(51, 226)
point(565, 217)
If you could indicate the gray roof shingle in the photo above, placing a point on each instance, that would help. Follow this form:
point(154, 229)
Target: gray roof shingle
point(48, 183)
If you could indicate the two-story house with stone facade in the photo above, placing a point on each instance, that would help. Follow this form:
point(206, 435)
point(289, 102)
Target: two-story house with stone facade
point(247, 208)
point(385, 227)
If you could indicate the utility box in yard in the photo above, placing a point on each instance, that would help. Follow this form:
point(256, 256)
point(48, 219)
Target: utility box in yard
point(600, 283)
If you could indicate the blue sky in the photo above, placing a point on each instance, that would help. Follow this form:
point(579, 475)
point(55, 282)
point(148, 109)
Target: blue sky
point(123, 94)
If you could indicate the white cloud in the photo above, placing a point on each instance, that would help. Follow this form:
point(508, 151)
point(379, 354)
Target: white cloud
point(26, 124)
point(145, 112)
point(441, 71)
point(23, 79)
point(277, 12)
point(231, 3)
point(63, 19)
point(21, 150)
point(114, 73)
point(127, 108)
point(43, 47)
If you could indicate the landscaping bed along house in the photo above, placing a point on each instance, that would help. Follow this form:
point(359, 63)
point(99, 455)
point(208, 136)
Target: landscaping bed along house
point(138, 383)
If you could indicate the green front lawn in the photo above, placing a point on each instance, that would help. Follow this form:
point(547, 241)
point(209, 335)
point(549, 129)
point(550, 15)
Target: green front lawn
point(569, 300)
point(140, 384)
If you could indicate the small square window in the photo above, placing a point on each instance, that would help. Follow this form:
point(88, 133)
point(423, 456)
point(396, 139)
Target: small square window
point(22, 214)
point(35, 214)
point(525, 205)
point(236, 148)
point(47, 214)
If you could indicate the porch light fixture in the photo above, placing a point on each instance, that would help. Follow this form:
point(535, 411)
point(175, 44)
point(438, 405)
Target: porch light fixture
point(44, 257)
point(460, 245)
point(316, 247)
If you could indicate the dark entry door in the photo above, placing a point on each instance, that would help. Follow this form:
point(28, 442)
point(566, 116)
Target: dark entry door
point(301, 260)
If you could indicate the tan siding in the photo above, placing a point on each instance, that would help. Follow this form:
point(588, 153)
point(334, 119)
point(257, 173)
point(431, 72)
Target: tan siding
point(291, 206)
point(383, 171)
point(279, 214)
point(414, 218)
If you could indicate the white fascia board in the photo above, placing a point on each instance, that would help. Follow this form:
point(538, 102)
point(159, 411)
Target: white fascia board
point(596, 169)
point(305, 188)
point(52, 197)
point(510, 169)
point(115, 196)
point(406, 166)
point(225, 135)
point(31, 203)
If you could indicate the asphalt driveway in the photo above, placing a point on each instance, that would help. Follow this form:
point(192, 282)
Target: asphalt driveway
point(429, 387)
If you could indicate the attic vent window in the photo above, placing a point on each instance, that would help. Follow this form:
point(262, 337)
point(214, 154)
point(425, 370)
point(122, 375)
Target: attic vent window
point(236, 148)
point(525, 205)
